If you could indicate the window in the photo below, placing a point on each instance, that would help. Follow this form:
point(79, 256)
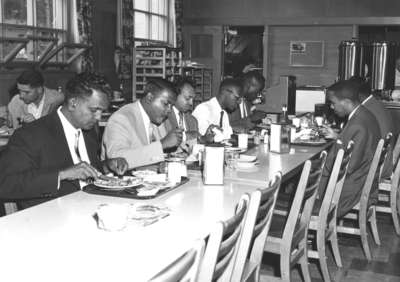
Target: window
point(43, 22)
point(151, 20)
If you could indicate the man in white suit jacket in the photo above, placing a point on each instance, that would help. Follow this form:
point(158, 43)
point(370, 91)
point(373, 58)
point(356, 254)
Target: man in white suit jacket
point(137, 131)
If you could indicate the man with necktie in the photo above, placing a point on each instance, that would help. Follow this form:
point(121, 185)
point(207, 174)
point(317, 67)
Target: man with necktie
point(56, 154)
point(215, 111)
point(181, 116)
point(245, 117)
point(138, 130)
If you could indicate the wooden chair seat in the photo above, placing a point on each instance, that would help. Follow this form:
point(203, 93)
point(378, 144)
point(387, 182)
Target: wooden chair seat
point(364, 211)
point(288, 235)
point(389, 201)
point(185, 268)
point(323, 219)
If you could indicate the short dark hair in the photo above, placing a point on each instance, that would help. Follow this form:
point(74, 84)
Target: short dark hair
point(344, 89)
point(157, 85)
point(83, 84)
point(230, 82)
point(364, 88)
point(254, 75)
point(31, 77)
point(181, 81)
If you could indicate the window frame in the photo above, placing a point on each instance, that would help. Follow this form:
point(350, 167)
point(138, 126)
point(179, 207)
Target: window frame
point(59, 32)
point(149, 13)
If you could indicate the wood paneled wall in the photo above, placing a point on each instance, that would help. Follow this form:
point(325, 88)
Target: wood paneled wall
point(278, 56)
point(256, 11)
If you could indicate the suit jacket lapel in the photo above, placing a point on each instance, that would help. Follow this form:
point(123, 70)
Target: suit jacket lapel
point(61, 141)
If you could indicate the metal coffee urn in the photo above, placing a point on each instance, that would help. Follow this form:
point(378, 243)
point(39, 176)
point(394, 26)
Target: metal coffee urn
point(351, 59)
point(383, 65)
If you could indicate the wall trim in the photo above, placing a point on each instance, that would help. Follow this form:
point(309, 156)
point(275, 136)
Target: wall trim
point(298, 21)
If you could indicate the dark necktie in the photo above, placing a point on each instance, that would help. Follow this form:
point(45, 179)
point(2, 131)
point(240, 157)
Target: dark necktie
point(221, 119)
point(76, 145)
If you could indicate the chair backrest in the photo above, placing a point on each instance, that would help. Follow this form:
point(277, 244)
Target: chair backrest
point(371, 176)
point(255, 231)
point(396, 151)
point(303, 202)
point(335, 183)
point(222, 245)
point(185, 268)
point(384, 154)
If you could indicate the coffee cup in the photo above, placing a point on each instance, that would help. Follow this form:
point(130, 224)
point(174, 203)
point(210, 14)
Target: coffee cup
point(319, 120)
point(243, 140)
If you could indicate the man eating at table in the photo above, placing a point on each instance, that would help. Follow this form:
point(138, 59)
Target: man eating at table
point(245, 116)
point(138, 132)
point(363, 129)
point(34, 100)
point(382, 115)
point(56, 154)
point(215, 111)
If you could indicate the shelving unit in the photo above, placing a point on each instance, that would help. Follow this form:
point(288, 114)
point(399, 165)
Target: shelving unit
point(162, 62)
point(202, 77)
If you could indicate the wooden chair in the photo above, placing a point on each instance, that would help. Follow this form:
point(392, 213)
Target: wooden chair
point(323, 218)
point(185, 268)
point(388, 190)
point(222, 245)
point(258, 221)
point(364, 211)
point(288, 235)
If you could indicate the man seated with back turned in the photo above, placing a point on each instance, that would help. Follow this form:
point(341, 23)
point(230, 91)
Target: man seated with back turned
point(382, 115)
point(138, 132)
point(245, 117)
point(56, 154)
point(363, 129)
point(34, 99)
point(215, 111)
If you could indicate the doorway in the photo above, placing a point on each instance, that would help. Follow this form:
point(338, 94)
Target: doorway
point(243, 49)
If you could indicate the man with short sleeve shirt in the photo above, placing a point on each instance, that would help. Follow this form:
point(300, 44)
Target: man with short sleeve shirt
point(215, 111)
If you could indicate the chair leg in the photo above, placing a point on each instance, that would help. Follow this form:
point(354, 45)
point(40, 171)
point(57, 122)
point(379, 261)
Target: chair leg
point(364, 236)
point(374, 226)
point(322, 255)
point(333, 239)
point(304, 268)
point(395, 211)
point(285, 266)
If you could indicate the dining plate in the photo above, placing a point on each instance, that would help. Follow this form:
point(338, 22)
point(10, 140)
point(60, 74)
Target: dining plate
point(235, 149)
point(115, 183)
point(143, 173)
point(317, 142)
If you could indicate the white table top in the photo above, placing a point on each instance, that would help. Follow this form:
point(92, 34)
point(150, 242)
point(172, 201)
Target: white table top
point(270, 163)
point(59, 240)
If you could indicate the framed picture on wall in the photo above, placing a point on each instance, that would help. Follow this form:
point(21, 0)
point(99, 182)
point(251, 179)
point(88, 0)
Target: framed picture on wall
point(306, 54)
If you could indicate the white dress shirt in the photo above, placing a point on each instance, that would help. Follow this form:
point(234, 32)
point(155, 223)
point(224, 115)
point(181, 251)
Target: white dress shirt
point(34, 110)
point(208, 113)
point(70, 134)
point(352, 112)
point(176, 112)
point(366, 100)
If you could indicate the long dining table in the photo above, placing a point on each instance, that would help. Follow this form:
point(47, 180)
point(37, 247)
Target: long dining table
point(60, 241)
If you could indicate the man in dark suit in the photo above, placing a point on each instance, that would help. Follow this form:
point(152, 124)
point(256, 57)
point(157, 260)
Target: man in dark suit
point(363, 129)
point(244, 117)
point(55, 155)
point(381, 114)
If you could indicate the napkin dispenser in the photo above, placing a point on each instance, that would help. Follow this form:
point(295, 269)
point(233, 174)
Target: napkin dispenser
point(213, 170)
point(280, 138)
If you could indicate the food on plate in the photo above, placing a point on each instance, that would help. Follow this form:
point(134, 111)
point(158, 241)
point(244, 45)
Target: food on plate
point(110, 181)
